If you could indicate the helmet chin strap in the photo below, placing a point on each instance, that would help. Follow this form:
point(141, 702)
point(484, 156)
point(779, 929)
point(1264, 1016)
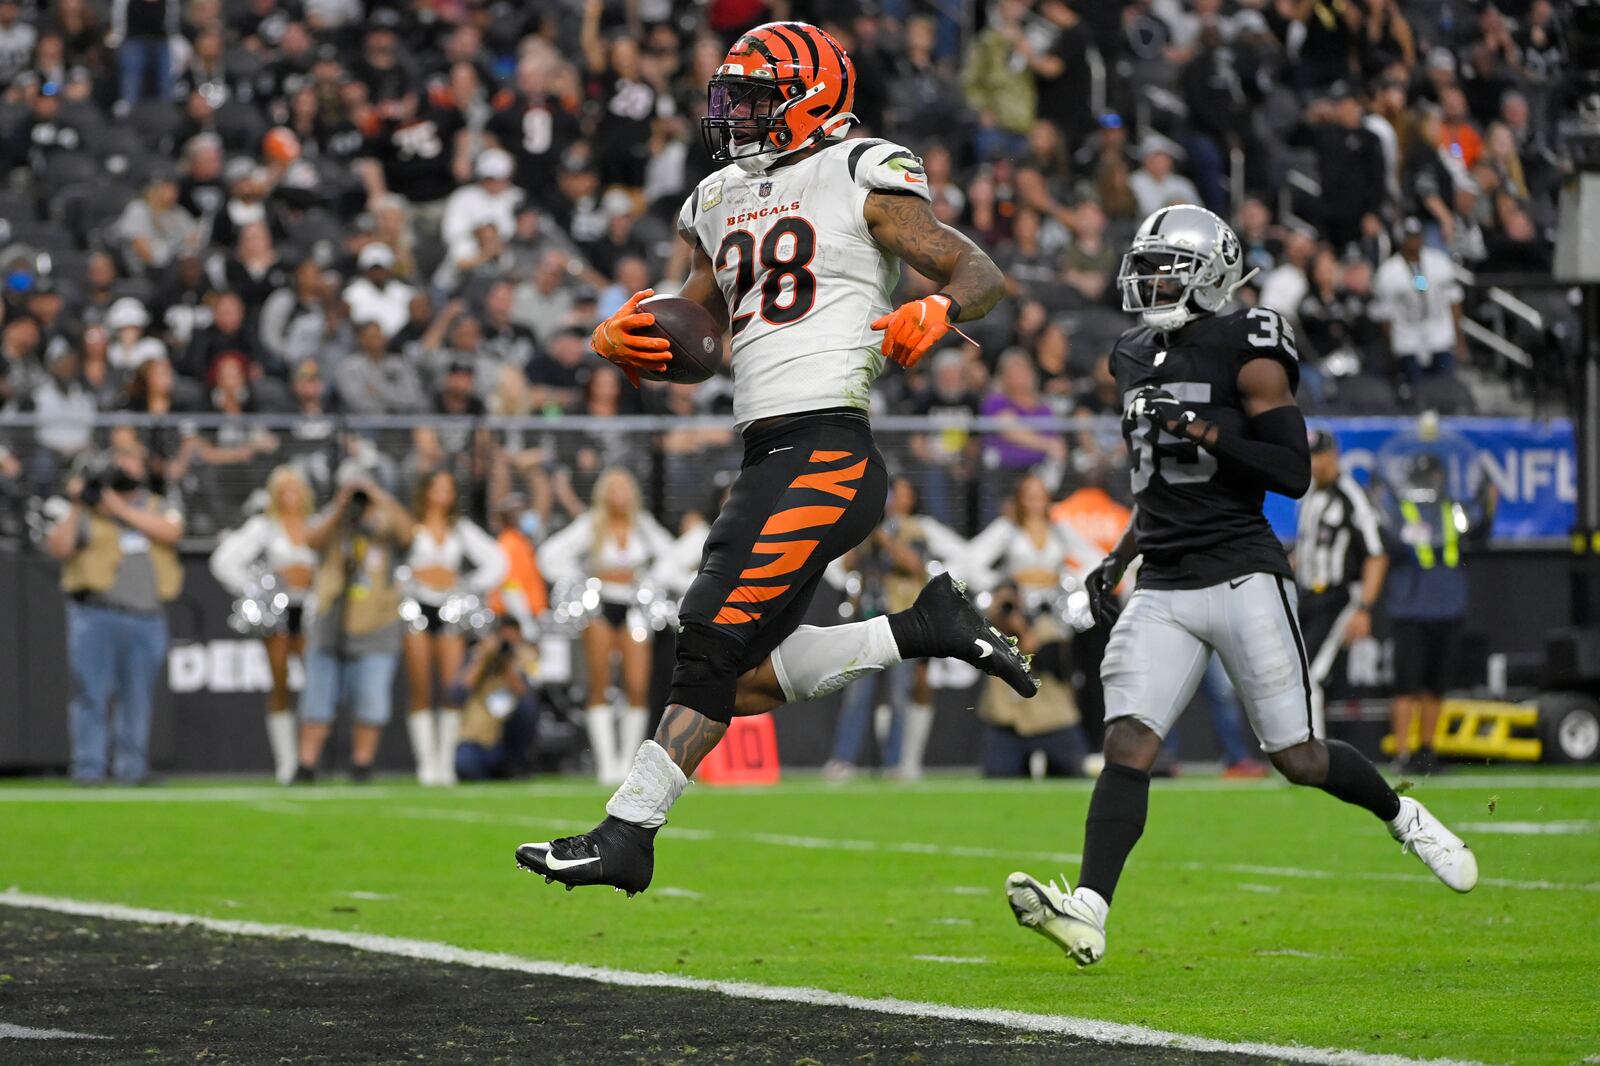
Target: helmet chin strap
point(1236, 286)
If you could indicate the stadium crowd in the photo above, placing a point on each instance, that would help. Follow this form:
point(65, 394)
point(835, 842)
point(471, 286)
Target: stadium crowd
point(403, 208)
point(324, 208)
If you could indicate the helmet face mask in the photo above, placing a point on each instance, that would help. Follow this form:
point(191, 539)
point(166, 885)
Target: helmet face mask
point(1184, 263)
point(745, 116)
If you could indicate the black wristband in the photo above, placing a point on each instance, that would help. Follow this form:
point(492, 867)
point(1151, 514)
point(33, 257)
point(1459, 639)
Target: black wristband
point(955, 306)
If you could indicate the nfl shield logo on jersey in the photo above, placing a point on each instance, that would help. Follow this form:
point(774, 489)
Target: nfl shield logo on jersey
point(764, 189)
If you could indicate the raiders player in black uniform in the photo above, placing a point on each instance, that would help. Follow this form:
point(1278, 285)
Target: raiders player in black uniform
point(1211, 426)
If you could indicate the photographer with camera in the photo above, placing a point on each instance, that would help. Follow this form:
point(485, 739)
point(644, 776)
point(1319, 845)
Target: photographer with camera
point(1016, 728)
point(361, 538)
point(499, 705)
point(117, 543)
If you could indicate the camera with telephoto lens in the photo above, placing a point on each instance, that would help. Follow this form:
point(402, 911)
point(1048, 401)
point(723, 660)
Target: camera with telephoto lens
point(100, 474)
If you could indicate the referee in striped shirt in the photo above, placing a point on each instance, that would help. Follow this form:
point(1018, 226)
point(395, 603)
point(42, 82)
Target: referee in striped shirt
point(1339, 563)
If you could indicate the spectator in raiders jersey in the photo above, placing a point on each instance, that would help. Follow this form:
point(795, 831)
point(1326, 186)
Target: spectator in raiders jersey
point(1340, 564)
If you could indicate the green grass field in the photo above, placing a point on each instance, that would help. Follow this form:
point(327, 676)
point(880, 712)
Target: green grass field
point(1253, 912)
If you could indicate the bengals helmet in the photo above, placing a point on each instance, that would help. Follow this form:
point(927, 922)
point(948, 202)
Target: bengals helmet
point(782, 87)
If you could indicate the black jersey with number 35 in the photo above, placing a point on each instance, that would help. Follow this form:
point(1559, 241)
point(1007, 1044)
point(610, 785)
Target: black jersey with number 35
point(1197, 527)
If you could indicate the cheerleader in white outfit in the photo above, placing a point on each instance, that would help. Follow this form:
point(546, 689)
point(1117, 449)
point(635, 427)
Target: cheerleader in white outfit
point(619, 543)
point(449, 555)
point(274, 542)
point(1027, 547)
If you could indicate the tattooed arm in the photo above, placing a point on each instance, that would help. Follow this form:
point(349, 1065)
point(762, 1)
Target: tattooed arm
point(905, 226)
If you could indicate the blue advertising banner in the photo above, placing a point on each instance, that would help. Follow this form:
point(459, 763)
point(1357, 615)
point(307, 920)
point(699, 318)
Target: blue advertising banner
point(1532, 465)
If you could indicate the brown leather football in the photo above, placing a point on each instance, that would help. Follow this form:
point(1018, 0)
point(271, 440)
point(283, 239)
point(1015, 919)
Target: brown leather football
point(696, 339)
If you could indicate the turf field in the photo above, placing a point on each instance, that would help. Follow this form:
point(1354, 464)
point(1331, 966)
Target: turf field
point(1251, 912)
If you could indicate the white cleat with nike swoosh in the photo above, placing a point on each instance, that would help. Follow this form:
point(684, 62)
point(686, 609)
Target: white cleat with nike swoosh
point(1420, 833)
point(614, 853)
point(1060, 917)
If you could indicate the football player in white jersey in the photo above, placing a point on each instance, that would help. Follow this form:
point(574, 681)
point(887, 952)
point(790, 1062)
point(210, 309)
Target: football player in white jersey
point(797, 244)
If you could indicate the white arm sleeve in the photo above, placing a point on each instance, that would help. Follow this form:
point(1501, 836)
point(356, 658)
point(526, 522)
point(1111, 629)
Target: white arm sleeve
point(489, 563)
point(238, 551)
point(945, 545)
point(562, 557)
point(976, 565)
point(1082, 555)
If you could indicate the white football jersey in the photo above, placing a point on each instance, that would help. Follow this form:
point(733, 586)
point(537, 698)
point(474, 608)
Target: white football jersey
point(802, 277)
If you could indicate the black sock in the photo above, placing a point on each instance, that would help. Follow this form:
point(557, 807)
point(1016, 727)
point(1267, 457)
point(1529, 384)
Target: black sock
point(1117, 813)
point(913, 633)
point(1355, 780)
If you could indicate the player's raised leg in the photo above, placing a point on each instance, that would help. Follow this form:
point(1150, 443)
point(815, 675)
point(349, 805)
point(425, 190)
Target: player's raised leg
point(1272, 676)
point(1152, 666)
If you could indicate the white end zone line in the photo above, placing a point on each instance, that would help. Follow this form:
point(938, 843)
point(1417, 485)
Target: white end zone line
point(429, 951)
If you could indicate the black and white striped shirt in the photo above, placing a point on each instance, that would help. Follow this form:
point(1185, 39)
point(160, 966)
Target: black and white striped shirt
point(1337, 530)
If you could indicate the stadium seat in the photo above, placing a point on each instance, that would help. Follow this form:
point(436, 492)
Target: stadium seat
point(240, 126)
point(158, 123)
point(65, 168)
point(1365, 394)
point(16, 205)
point(1447, 395)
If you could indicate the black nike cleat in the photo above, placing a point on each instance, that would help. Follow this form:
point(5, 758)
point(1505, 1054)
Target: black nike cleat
point(960, 631)
point(615, 853)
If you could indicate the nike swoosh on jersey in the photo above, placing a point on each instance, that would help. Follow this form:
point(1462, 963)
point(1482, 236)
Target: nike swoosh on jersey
point(554, 863)
point(785, 448)
point(1242, 580)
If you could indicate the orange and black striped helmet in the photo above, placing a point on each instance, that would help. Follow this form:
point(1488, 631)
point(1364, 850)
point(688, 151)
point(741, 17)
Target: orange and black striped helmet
point(782, 87)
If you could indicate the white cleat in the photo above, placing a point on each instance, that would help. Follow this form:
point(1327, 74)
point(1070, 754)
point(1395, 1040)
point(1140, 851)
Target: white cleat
point(1440, 850)
point(1063, 919)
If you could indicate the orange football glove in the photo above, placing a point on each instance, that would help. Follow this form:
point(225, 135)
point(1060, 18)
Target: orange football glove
point(615, 341)
point(912, 328)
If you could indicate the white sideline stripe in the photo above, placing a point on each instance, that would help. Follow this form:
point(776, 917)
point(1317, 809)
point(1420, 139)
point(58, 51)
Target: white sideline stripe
point(801, 786)
point(1530, 829)
point(22, 1032)
point(959, 960)
point(430, 951)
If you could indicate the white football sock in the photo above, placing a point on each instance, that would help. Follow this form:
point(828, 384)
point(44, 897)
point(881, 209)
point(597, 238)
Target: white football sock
point(652, 786)
point(600, 722)
point(914, 739)
point(633, 728)
point(449, 735)
point(283, 738)
point(815, 661)
point(424, 741)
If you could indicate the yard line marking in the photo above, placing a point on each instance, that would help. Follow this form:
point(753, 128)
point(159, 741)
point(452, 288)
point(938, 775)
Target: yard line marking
point(952, 921)
point(1266, 890)
point(961, 852)
point(780, 840)
point(1360, 875)
point(971, 890)
point(22, 1032)
point(1529, 829)
point(1291, 953)
point(369, 896)
point(676, 893)
point(432, 951)
point(959, 960)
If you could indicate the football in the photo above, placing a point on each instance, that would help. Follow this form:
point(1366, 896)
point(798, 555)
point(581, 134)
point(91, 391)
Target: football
point(696, 339)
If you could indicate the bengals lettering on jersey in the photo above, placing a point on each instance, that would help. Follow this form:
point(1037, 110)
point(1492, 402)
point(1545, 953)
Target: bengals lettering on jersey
point(802, 277)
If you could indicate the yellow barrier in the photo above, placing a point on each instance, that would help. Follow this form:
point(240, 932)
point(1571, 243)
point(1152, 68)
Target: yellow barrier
point(1482, 729)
